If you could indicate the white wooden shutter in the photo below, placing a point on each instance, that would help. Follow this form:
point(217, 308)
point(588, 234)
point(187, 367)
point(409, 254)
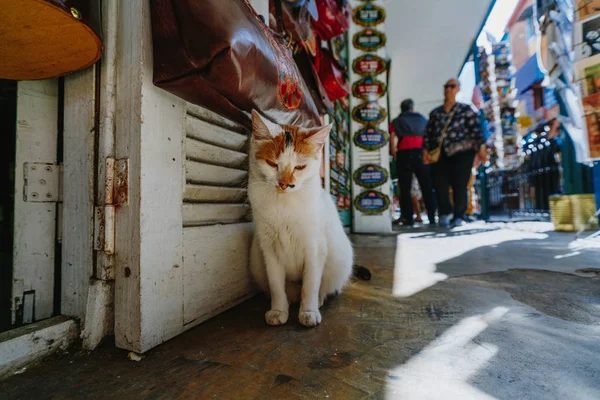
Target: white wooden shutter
point(216, 235)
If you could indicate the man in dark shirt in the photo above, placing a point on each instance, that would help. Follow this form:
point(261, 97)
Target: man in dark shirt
point(462, 142)
point(409, 128)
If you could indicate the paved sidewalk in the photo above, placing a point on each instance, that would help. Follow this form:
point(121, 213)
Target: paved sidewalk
point(507, 311)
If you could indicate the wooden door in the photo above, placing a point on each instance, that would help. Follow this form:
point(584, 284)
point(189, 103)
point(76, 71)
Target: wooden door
point(36, 197)
point(181, 236)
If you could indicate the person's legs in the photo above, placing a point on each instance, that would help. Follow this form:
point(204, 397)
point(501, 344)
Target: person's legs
point(470, 194)
point(405, 183)
point(442, 184)
point(462, 163)
point(423, 173)
point(417, 209)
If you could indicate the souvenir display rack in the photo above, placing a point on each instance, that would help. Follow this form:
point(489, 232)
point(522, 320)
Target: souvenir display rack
point(339, 161)
point(505, 87)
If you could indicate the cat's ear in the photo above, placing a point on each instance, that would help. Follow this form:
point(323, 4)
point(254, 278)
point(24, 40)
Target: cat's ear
point(318, 136)
point(262, 129)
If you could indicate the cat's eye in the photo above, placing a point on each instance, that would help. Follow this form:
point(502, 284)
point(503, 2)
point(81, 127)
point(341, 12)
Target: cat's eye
point(271, 163)
point(300, 167)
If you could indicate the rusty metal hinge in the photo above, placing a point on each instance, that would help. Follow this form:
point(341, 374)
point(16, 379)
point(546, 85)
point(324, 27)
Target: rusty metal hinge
point(116, 194)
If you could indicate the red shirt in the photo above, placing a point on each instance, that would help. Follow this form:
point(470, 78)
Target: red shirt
point(408, 142)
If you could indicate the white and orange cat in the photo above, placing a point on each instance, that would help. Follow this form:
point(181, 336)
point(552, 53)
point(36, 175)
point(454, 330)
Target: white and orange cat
point(299, 250)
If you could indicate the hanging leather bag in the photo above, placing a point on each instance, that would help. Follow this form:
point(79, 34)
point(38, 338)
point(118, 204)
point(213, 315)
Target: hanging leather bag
point(332, 75)
point(42, 39)
point(294, 18)
point(221, 55)
point(334, 18)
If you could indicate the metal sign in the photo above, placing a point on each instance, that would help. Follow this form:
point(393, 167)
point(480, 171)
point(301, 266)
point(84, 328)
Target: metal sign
point(369, 113)
point(371, 138)
point(369, 65)
point(368, 88)
point(369, 40)
point(370, 176)
point(371, 202)
point(368, 15)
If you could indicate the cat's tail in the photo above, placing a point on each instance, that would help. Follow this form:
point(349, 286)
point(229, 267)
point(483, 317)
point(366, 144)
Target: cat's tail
point(361, 272)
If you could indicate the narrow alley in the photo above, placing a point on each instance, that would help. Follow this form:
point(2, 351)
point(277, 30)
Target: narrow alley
point(487, 311)
point(176, 174)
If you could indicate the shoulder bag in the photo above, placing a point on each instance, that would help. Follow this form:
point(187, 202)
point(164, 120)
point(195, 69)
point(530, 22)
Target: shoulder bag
point(434, 155)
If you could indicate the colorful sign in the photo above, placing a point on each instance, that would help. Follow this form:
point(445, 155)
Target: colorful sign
point(587, 8)
point(368, 15)
point(525, 121)
point(369, 40)
point(369, 65)
point(370, 176)
point(368, 88)
point(371, 202)
point(591, 109)
point(369, 113)
point(371, 138)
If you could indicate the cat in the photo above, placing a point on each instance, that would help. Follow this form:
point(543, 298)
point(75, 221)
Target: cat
point(299, 251)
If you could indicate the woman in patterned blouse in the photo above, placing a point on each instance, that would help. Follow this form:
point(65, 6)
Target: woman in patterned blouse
point(462, 142)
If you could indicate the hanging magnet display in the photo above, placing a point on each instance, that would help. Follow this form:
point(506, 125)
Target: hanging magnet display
point(371, 202)
point(371, 138)
point(368, 15)
point(369, 40)
point(369, 113)
point(370, 176)
point(369, 65)
point(338, 49)
point(368, 88)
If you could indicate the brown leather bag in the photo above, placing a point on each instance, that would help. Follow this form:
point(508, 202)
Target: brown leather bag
point(294, 20)
point(41, 39)
point(220, 55)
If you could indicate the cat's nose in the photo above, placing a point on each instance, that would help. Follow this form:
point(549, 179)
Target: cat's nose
point(284, 186)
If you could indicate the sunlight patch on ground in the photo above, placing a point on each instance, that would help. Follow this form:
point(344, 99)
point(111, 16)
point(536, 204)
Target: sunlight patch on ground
point(443, 368)
point(523, 226)
point(417, 255)
point(591, 241)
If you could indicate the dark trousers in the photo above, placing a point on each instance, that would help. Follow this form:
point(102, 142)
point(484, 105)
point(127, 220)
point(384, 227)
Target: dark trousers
point(453, 171)
point(409, 162)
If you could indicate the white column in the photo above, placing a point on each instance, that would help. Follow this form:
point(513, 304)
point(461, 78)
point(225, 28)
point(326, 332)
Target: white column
point(363, 223)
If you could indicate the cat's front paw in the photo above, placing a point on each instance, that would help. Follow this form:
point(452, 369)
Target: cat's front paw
point(310, 318)
point(274, 317)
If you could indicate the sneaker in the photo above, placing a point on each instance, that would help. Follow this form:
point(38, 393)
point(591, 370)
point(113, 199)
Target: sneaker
point(403, 222)
point(444, 221)
point(458, 222)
